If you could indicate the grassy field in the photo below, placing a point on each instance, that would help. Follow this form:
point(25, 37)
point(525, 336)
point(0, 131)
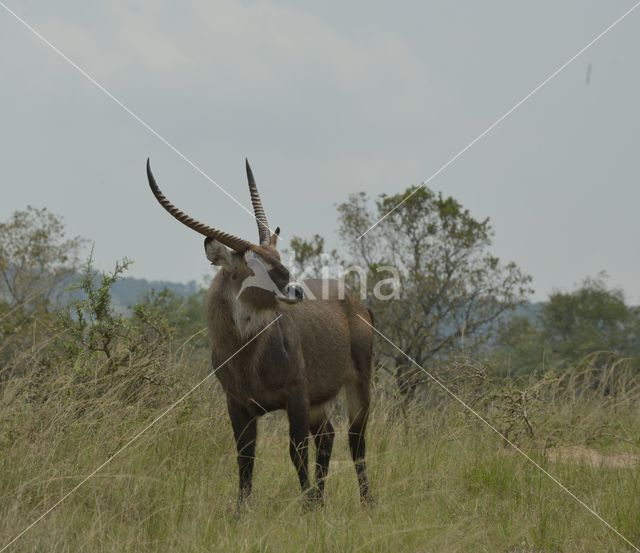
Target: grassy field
point(443, 481)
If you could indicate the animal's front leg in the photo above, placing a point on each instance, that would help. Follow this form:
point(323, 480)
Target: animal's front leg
point(245, 432)
point(323, 433)
point(298, 414)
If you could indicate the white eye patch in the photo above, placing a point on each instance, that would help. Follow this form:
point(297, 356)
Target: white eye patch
point(252, 258)
point(260, 278)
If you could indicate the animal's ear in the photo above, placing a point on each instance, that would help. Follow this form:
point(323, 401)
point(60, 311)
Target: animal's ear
point(274, 237)
point(217, 253)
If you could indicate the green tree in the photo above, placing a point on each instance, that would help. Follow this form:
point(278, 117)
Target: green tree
point(520, 347)
point(308, 257)
point(453, 291)
point(591, 318)
point(35, 260)
point(569, 327)
point(104, 343)
point(186, 316)
point(35, 257)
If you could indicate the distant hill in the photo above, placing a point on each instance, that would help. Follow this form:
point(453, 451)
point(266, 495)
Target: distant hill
point(125, 292)
point(129, 290)
point(529, 310)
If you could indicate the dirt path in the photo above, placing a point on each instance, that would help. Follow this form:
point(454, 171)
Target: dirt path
point(587, 456)
point(581, 455)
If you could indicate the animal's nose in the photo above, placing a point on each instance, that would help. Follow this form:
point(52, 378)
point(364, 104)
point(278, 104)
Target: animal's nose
point(294, 291)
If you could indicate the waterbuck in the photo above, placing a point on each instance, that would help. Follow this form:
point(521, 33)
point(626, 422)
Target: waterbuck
point(281, 351)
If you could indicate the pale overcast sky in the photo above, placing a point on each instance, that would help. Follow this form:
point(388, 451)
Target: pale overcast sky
point(328, 98)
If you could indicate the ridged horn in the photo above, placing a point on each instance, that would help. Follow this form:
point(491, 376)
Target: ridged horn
point(261, 218)
point(233, 242)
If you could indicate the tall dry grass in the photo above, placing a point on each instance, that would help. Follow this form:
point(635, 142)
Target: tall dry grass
point(443, 480)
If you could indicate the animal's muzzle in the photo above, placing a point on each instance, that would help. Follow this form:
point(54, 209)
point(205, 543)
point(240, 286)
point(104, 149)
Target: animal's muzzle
point(294, 292)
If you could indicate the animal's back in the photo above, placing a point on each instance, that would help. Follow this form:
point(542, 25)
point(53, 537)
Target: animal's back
point(333, 336)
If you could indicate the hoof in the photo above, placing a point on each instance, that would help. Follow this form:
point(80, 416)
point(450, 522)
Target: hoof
point(242, 507)
point(312, 499)
point(368, 500)
point(239, 511)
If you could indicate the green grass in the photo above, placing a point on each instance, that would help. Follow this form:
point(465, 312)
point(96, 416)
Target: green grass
point(443, 482)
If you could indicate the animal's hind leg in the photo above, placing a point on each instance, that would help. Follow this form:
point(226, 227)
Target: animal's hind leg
point(358, 401)
point(298, 415)
point(323, 434)
point(245, 432)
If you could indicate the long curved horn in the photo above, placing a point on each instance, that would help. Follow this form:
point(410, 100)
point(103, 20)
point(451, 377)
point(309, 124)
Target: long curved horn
point(261, 218)
point(233, 242)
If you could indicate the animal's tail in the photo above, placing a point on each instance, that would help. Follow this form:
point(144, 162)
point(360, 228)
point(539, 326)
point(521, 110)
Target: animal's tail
point(373, 322)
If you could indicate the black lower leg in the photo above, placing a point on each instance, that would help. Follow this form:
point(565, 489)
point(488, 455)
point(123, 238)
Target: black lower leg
point(245, 432)
point(357, 445)
point(299, 452)
point(323, 436)
point(298, 414)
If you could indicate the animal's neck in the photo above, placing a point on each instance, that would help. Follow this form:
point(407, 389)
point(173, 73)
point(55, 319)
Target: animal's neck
point(248, 321)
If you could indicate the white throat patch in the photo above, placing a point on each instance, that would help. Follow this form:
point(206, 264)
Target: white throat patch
point(248, 321)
